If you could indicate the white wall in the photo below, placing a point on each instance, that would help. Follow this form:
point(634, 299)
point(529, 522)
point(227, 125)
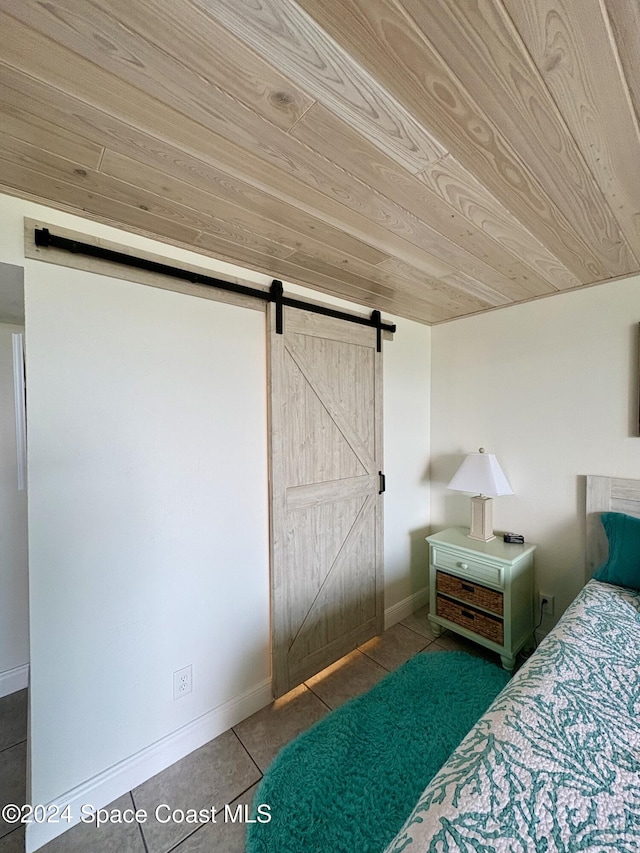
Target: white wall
point(407, 450)
point(148, 512)
point(551, 388)
point(148, 515)
point(14, 588)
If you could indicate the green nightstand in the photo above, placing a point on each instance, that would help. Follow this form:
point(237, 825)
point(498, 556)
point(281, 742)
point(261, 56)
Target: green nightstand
point(482, 590)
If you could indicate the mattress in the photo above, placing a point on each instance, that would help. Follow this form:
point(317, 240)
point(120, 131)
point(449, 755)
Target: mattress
point(554, 764)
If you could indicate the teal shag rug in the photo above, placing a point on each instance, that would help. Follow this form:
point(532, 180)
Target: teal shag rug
point(348, 783)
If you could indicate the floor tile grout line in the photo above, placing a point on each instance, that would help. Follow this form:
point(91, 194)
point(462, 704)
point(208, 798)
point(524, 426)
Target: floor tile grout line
point(17, 743)
point(182, 840)
point(135, 808)
point(199, 828)
point(246, 749)
point(11, 831)
point(143, 839)
point(376, 661)
point(368, 657)
point(319, 698)
point(417, 633)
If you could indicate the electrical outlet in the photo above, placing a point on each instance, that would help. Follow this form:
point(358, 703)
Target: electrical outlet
point(545, 603)
point(182, 682)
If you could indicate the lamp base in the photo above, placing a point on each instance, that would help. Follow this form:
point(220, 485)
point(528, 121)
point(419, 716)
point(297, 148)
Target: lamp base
point(481, 519)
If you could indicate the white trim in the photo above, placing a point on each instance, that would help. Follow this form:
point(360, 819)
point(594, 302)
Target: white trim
point(14, 679)
point(21, 408)
point(133, 771)
point(406, 607)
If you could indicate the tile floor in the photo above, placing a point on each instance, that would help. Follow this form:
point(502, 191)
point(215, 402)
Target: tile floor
point(225, 770)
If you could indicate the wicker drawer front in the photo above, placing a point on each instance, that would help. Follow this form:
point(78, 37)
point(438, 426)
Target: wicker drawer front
point(473, 620)
point(469, 591)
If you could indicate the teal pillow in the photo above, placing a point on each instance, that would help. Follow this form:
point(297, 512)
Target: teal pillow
point(623, 565)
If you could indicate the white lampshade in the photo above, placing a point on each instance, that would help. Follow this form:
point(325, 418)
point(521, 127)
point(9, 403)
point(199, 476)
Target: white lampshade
point(481, 474)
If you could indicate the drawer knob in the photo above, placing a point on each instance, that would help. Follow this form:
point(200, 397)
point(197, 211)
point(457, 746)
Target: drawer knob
point(463, 566)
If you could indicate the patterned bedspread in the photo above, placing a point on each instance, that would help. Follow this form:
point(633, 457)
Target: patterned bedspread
point(554, 764)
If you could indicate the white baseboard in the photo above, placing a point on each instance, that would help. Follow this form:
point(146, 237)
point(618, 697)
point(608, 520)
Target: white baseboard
point(14, 679)
point(133, 771)
point(406, 607)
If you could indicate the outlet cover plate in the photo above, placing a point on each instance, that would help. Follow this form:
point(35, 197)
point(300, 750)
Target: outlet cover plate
point(548, 608)
point(182, 681)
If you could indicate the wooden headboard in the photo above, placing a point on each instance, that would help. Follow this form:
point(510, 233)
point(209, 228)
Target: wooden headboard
point(606, 494)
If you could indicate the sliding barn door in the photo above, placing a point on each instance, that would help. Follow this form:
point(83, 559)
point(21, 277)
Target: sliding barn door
point(326, 510)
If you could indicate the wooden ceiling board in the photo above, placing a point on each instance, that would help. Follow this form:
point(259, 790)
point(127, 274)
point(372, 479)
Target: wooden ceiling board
point(466, 194)
point(105, 193)
point(623, 21)
point(298, 166)
point(281, 32)
point(503, 81)
point(332, 281)
point(329, 136)
point(35, 184)
point(393, 295)
point(199, 198)
point(164, 62)
point(382, 35)
point(393, 217)
point(223, 216)
point(100, 185)
point(187, 35)
point(39, 132)
point(131, 145)
point(135, 108)
point(571, 43)
point(433, 159)
point(434, 292)
point(452, 290)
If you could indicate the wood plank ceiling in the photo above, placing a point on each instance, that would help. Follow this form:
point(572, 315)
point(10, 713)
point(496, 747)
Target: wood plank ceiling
point(430, 158)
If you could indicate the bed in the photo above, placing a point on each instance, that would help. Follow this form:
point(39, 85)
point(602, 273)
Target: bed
point(554, 764)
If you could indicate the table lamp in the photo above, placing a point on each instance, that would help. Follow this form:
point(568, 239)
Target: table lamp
point(481, 473)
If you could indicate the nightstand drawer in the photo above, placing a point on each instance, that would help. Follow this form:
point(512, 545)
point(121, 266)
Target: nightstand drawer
point(468, 591)
point(486, 626)
point(468, 567)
